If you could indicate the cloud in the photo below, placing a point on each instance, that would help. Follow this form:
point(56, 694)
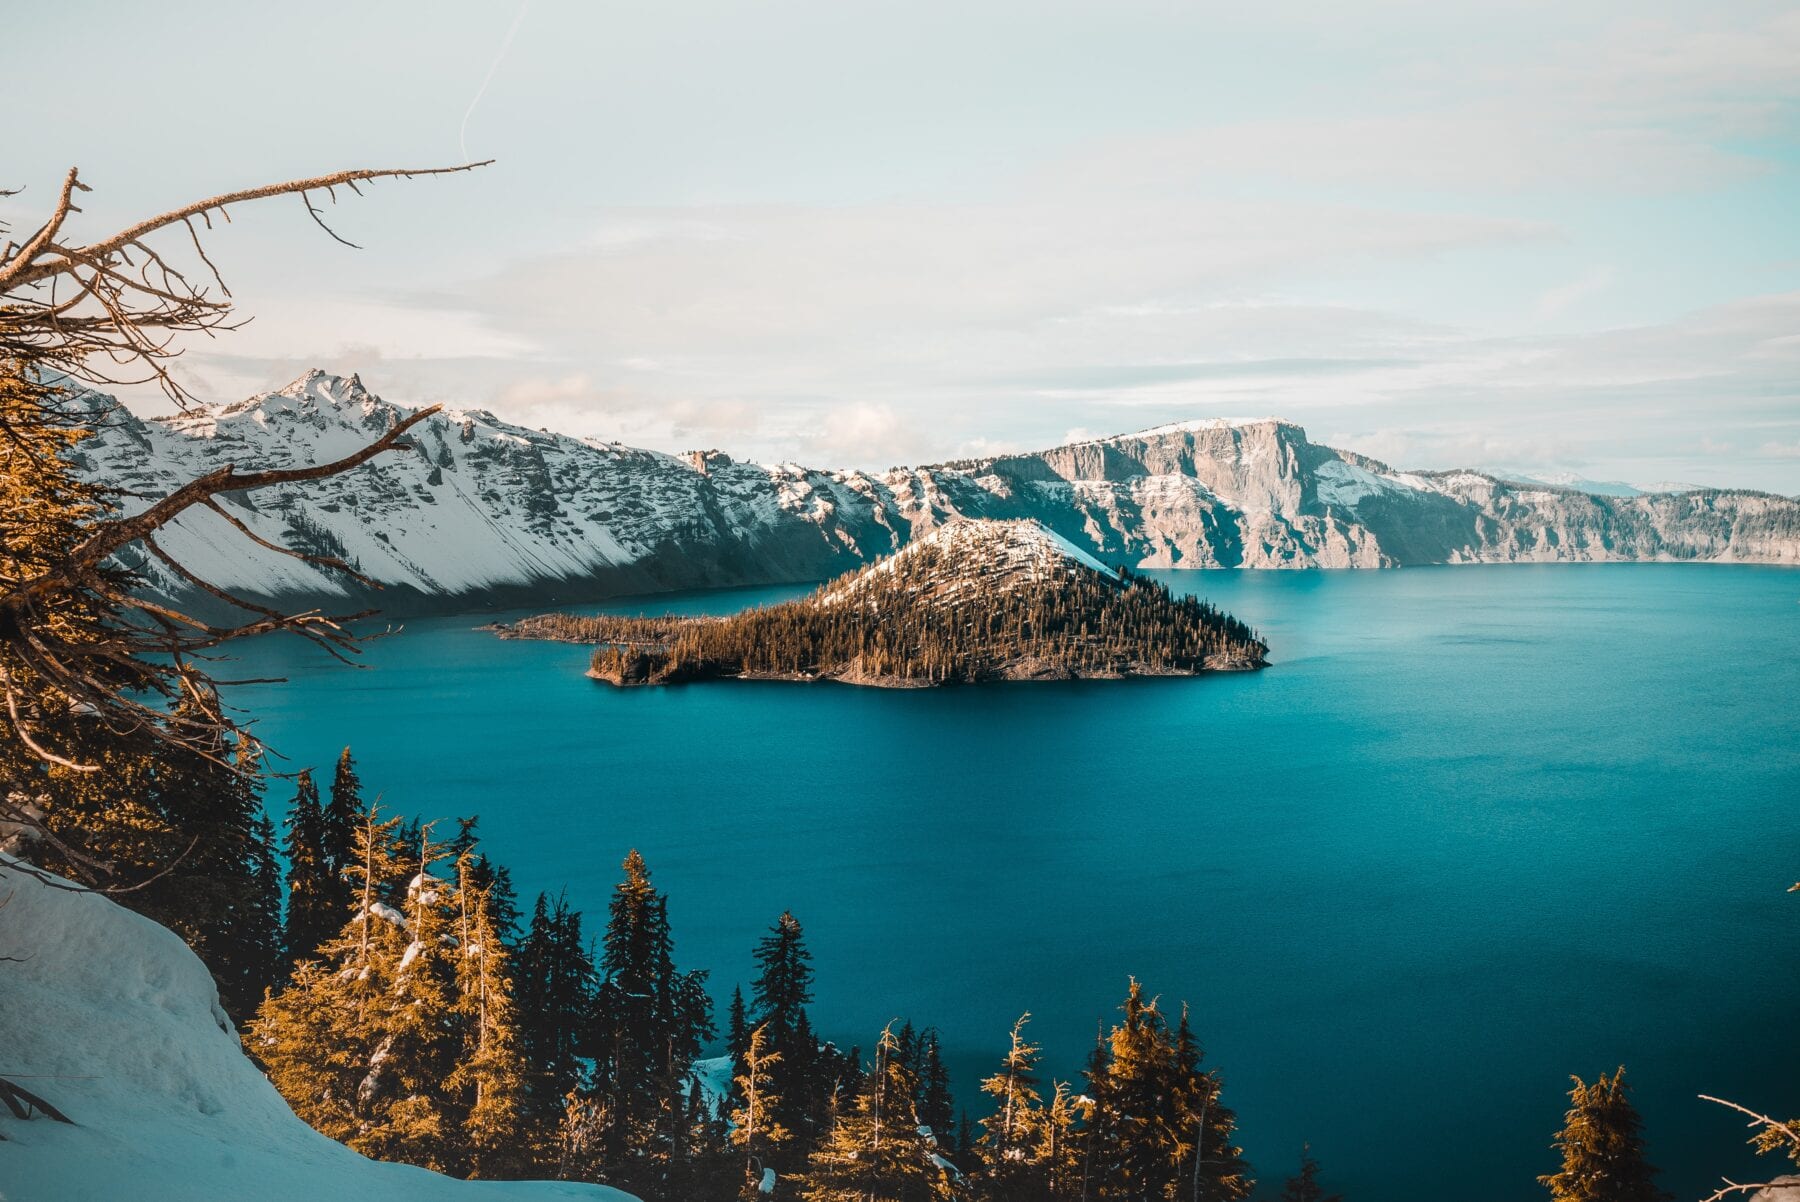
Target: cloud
point(1401, 223)
point(1122, 376)
point(863, 433)
point(1590, 283)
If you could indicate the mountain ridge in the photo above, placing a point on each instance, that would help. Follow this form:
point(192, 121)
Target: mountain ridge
point(481, 512)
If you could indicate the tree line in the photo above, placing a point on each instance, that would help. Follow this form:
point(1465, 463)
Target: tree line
point(431, 1021)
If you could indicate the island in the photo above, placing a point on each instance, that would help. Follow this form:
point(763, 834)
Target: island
point(971, 601)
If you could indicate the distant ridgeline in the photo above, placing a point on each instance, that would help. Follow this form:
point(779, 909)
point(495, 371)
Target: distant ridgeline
point(973, 601)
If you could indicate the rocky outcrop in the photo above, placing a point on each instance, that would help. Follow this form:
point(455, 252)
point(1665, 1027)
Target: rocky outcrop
point(483, 512)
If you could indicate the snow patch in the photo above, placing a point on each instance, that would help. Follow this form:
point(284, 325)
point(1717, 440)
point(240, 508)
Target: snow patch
point(117, 1024)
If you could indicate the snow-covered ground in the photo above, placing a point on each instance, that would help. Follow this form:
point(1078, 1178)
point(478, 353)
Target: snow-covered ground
point(112, 1019)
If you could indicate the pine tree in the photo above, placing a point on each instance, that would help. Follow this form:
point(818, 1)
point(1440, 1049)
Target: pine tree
point(737, 1040)
point(490, 1072)
point(753, 1127)
point(339, 816)
point(937, 1109)
point(418, 1040)
point(1059, 1144)
point(707, 1166)
point(1304, 1186)
point(1218, 1168)
point(1602, 1147)
point(778, 1000)
point(49, 511)
point(1099, 1123)
point(312, 915)
point(1155, 1123)
point(265, 919)
point(493, 879)
point(783, 984)
point(652, 1021)
point(875, 1151)
point(555, 993)
point(318, 1039)
point(207, 891)
point(244, 945)
point(1009, 1147)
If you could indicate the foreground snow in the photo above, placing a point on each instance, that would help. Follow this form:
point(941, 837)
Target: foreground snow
point(112, 1019)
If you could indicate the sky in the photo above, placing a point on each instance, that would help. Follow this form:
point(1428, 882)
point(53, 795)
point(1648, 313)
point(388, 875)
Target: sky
point(1550, 237)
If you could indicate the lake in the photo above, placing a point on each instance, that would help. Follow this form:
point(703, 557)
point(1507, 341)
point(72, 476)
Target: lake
point(1476, 829)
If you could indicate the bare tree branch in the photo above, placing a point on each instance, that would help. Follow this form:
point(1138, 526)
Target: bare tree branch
point(78, 639)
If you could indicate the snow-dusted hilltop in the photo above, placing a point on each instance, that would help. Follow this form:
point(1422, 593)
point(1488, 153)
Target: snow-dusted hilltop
point(971, 601)
point(974, 555)
point(481, 510)
point(114, 1021)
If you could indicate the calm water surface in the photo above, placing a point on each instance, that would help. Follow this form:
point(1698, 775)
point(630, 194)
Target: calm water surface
point(1477, 829)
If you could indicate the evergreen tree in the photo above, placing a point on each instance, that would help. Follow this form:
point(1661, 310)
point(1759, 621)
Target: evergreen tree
point(241, 940)
point(490, 1072)
point(1012, 1136)
point(555, 992)
point(875, 1151)
point(1155, 1125)
point(706, 1167)
point(50, 510)
point(783, 985)
point(753, 1126)
point(1098, 1125)
point(493, 879)
point(417, 1037)
point(937, 1109)
point(778, 1000)
point(652, 1021)
point(208, 889)
point(312, 913)
point(400, 1038)
point(1304, 1186)
point(1602, 1147)
point(265, 918)
point(339, 816)
point(1059, 1144)
point(318, 1038)
point(737, 1040)
point(1218, 1168)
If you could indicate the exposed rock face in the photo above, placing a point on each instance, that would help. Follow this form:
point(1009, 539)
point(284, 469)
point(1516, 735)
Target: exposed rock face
point(485, 512)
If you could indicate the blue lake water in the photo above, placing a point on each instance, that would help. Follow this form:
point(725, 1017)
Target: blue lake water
point(1476, 830)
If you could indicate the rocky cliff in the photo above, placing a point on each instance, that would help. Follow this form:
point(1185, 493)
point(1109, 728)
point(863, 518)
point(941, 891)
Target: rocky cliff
point(483, 512)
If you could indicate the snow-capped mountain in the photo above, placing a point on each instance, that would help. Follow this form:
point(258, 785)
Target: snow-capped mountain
point(113, 1020)
point(481, 511)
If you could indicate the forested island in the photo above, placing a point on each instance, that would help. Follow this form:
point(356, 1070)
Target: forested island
point(973, 601)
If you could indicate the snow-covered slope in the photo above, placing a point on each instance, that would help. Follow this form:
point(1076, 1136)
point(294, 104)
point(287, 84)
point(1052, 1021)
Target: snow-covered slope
point(978, 553)
point(481, 511)
point(110, 1018)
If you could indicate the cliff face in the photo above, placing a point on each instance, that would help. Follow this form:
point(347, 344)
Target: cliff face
point(484, 512)
point(1196, 495)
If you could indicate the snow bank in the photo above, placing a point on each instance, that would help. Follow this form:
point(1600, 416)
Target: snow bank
point(112, 1019)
